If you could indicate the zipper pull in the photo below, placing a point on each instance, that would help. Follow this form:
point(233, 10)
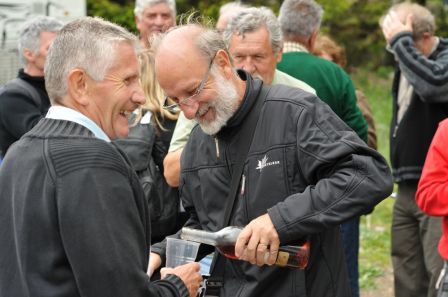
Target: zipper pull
point(243, 184)
point(394, 134)
point(217, 147)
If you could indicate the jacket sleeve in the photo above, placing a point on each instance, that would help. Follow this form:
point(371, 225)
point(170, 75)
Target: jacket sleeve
point(345, 177)
point(432, 193)
point(18, 112)
point(428, 76)
point(104, 230)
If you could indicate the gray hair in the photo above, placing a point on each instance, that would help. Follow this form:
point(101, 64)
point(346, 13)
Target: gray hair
point(30, 34)
point(140, 6)
point(422, 19)
point(251, 19)
point(207, 40)
point(210, 42)
point(300, 17)
point(87, 43)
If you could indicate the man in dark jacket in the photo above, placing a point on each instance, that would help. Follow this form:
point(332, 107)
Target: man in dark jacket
point(305, 173)
point(24, 101)
point(74, 219)
point(420, 102)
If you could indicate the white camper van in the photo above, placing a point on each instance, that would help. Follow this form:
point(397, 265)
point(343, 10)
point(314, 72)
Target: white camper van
point(14, 13)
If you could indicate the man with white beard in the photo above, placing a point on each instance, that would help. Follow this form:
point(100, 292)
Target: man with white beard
point(304, 173)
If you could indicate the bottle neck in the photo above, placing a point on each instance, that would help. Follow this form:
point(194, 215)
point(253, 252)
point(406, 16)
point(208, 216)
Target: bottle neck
point(199, 236)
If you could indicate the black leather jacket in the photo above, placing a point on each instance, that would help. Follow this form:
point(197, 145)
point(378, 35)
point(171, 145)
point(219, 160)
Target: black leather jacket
point(305, 167)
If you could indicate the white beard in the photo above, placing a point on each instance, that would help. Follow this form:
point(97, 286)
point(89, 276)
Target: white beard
point(224, 105)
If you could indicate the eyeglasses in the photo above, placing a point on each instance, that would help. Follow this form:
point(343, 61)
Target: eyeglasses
point(190, 99)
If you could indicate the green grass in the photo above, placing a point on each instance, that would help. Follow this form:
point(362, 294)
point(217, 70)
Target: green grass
point(374, 256)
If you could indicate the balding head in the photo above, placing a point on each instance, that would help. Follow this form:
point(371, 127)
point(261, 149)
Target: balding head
point(194, 69)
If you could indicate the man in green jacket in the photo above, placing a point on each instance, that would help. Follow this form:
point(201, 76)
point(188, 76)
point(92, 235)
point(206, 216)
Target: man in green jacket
point(300, 22)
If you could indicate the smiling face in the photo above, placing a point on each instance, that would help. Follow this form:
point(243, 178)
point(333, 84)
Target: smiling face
point(180, 72)
point(155, 19)
point(111, 100)
point(253, 53)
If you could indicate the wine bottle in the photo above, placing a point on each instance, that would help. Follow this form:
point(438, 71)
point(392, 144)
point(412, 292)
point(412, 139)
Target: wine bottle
point(295, 256)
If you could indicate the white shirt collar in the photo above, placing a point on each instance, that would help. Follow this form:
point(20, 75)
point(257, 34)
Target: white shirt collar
point(68, 114)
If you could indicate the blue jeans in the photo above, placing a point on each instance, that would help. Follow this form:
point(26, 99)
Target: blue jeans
point(350, 241)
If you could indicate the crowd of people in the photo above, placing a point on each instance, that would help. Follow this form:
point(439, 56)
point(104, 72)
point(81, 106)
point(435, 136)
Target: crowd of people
point(111, 142)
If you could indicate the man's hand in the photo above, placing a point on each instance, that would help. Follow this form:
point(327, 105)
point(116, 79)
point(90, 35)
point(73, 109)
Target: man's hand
point(258, 242)
point(392, 25)
point(154, 262)
point(188, 273)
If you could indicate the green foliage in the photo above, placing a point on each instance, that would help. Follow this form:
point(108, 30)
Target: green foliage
point(352, 23)
point(120, 14)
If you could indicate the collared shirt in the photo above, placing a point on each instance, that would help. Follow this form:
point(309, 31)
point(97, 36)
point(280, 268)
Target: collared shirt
point(289, 46)
point(68, 114)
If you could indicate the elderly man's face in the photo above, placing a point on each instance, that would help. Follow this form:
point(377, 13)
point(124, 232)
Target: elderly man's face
point(117, 95)
point(181, 74)
point(254, 53)
point(155, 19)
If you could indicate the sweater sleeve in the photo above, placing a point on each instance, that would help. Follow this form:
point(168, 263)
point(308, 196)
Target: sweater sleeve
point(428, 75)
point(351, 113)
point(432, 193)
point(18, 112)
point(346, 178)
point(104, 230)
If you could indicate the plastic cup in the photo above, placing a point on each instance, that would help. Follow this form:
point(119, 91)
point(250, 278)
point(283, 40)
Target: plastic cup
point(180, 252)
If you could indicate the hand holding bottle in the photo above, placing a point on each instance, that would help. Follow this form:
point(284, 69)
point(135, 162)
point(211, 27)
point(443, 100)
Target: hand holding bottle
point(258, 242)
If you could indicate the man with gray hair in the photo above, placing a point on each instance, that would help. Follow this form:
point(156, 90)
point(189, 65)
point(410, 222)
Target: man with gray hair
point(255, 43)
point(24, 100)
point(300, 22)
point(152, 17)
point(74, 218)
point(296, 170)
point(420, 102)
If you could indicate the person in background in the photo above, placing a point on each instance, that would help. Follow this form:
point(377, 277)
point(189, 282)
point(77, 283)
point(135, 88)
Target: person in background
point(255, 44)
point(420, 102)
point(432, 195)
point(74, 219)
point(305, 173)
point(327, 48)
point(24, 100)
point(153, 17)
point(300, 22)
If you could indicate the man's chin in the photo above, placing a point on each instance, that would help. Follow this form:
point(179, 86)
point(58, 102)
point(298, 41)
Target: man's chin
point(210, 128)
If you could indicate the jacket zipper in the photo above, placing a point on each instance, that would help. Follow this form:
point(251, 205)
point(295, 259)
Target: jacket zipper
point(217, 147)
point(243, 185)
point(394, 134)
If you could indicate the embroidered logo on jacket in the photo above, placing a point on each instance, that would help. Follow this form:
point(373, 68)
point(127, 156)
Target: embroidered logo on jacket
point(264, 163)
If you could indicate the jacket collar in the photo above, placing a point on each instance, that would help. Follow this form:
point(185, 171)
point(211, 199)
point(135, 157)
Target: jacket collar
point(253, 88)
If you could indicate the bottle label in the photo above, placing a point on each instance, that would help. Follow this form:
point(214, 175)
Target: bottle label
point(282, 259)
